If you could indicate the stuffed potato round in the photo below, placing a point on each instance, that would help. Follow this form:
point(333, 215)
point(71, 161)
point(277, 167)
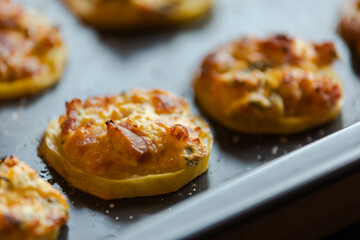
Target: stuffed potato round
point(129, 14)
point(139, 143)
point(30, 208)
point(277, 85)
point(32, 55)
point(349, 26)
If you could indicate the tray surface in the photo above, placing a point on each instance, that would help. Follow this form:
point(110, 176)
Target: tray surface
point(103, 63)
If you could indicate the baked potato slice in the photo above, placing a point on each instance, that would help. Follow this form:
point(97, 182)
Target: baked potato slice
point(130, 14)
point(140, 143)
point(33, 54)
point(349, 25)
point(30, 208)
point(277, 85)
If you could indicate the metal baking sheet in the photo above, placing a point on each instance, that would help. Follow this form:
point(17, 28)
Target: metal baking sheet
point(105, 63)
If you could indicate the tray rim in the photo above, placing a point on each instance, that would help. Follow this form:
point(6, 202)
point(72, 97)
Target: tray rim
point(329, 163)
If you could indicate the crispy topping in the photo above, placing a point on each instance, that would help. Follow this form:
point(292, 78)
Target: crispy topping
point(123, 139)
point(273, 78)
point(148, 133)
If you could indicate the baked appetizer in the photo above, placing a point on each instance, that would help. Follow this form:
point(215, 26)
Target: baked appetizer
point(277, 85)
point(349, 26)
point(30, 208)
point(139, 143)
point(32, 55)
point(128, 14)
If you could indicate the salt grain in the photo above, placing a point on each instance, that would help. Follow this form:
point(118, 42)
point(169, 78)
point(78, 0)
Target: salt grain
point(117, 218)
point(274, 150)
point(258, 157)
point(194, 189)
point(111, 205)
point(190, 193)
point(15, 116)
point(131, 217)
point(107, 211)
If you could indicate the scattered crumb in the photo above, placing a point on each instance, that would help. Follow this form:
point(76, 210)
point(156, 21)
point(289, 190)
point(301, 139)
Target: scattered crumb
point(298, 146)
point(23, 102)
point(283, 140)
point(274, 150)
point(309, 139)
point(117, 218)
point(194, 190)
point(111, 205)
point(190, 193)
point(180, 194)
point(321, 132)
point(15, 116)
point(258, 157)
point(131, 217)
point(235, 139)
point(193, 184)
point(162, 199)
point(107, 211)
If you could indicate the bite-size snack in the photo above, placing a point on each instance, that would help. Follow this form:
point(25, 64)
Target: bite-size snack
point(32, 55)
point(30, 208)
point(277, 85)
point(349, 26)
point(129, 14)
point(139, 143)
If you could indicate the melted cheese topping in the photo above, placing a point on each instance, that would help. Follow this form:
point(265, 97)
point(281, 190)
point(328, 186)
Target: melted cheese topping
point(272, 78)
point(29, 207)
point(135, 134)
point(25, 40)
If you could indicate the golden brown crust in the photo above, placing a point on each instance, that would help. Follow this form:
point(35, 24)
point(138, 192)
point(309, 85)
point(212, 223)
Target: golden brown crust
point(32, 53)
point(273, 85)
point(29, 207)
point(349, 25)
point(134, 135)
point(118, 14)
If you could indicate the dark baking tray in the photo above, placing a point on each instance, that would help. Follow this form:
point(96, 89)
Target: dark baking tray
point(102, 63)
